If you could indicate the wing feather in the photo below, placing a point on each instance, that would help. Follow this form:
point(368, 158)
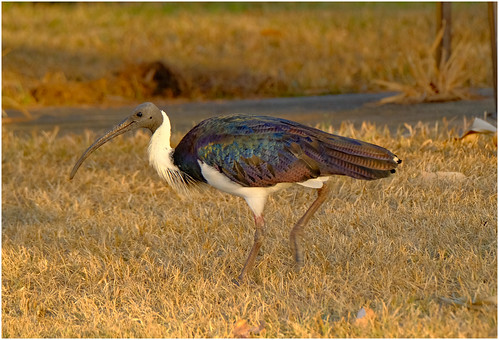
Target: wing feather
point(263, 151)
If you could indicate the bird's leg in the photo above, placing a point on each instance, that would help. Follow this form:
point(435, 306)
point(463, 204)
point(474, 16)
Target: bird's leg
point(259, 236)
point(297, 232)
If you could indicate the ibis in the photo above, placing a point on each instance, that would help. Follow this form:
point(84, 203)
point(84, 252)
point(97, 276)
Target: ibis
point(253, 157)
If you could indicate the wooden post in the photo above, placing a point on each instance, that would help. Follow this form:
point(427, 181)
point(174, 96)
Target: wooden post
point(444, 20)
point(493, 43)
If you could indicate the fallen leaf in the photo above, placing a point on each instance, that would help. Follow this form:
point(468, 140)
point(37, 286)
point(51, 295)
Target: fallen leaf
point(479, 126)
point(243, 330)
point(361, 313)
point(475, 304)
point(364, 316)
point(443, 175)
point(489, 300)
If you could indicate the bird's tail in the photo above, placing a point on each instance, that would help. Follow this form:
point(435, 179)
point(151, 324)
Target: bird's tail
point(357, 159)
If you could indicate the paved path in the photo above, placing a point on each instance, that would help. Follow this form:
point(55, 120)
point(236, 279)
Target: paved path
point(331, 109)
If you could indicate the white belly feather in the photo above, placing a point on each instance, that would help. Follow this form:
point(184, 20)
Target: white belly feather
point(254, 196)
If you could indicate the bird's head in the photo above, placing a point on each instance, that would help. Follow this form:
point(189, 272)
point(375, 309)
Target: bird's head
point(146, 115)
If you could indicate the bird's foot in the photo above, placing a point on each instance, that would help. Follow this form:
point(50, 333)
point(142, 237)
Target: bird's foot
point(298, 261)
point(240, 279)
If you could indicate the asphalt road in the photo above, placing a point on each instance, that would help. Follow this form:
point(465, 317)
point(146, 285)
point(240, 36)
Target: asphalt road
point(331, 109)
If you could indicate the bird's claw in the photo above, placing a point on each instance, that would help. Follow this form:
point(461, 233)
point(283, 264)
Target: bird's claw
point(298, 261)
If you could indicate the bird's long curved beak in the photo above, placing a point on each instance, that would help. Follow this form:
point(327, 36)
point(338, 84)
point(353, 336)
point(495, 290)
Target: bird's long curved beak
point(126, 125)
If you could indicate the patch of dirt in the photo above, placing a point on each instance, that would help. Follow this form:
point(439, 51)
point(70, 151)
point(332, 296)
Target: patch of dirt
point(133, 81)
point(152, 80)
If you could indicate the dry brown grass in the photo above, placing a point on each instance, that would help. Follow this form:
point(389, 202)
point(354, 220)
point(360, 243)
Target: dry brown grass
point(429, 82)
point(85, 53)
point(116, 253)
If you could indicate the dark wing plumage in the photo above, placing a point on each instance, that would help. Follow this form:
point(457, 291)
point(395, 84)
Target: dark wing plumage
point(261, 151)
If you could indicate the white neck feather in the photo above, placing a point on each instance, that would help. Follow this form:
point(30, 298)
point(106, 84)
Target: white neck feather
point(160, 151)
point(161, 156)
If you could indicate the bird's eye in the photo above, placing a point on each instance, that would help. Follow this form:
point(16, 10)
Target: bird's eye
point(139, 114)
point(150, 117)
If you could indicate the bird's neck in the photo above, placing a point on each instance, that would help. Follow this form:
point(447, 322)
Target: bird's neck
point(161, 155)
point(160, 151)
